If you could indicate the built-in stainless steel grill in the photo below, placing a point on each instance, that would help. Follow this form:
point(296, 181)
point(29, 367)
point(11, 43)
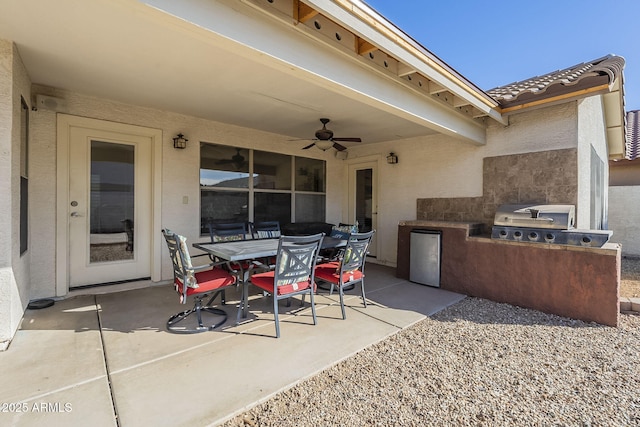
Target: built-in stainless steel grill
point(544, 224)
point(559, 217)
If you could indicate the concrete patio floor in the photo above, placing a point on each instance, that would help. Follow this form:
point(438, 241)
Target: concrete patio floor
point(107, 359)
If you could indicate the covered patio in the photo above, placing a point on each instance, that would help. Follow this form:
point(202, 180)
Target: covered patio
point(253, 78)
point(111, 361)
point(256, 79)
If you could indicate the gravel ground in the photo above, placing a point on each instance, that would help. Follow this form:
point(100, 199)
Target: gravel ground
point(475, 363)
point(630, 278)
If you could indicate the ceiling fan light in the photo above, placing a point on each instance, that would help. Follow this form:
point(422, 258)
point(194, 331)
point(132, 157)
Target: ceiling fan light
point(324, 145)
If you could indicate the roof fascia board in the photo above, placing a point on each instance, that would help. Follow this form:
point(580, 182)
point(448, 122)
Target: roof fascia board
point(361, 20)
point(613, 104)
point(244, 31)
point(557, 99)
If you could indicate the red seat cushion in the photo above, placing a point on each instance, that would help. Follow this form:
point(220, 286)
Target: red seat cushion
point(240, 266)
point(330, 272)
point(265, 281)
point(210, 280)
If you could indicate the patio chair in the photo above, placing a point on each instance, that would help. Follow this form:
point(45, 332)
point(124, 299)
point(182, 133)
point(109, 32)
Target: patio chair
point(293, 272)
point(229, 232)
point(343, 230)
point(265, 229)
point(340, 231)
point(225, 232)
point(350, 269)
point(199, 282)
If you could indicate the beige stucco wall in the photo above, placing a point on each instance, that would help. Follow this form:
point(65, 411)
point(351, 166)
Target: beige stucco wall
point(180, 170)
point(439, 166)
point(591, 133)
point(14, 268)
point(624, 205)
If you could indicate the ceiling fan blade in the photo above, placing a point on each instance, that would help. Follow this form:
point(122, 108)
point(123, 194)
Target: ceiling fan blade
point(309, 146)
point(347, 139)
point(338, 146)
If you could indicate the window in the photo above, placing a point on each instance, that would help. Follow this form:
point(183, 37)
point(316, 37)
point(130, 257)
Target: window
point(240, 185)
point(598, 209)
point(310, 189)
point(24, 176)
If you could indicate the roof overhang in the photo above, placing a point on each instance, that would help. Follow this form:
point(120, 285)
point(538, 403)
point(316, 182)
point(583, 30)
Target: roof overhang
point(255, 64)
point(615, 121)
point(410, 60)
point(603, 76)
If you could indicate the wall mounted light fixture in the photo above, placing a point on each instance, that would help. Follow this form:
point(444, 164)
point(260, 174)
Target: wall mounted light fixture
point(392, 159)
point(180, 141)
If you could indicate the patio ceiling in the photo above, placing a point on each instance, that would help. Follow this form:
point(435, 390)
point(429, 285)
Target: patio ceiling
point(131, 52)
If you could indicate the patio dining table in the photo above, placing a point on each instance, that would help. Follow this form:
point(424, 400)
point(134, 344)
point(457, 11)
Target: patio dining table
point(250, 250)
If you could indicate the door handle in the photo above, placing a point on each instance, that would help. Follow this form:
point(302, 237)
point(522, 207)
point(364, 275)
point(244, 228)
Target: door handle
point(75, 215)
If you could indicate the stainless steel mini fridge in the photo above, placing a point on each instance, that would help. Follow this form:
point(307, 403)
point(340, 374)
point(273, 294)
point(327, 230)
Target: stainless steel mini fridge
point(424, 262)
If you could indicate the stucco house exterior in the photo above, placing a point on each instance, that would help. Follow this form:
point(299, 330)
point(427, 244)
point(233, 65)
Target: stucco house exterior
point(254, 77)
point(624, 191)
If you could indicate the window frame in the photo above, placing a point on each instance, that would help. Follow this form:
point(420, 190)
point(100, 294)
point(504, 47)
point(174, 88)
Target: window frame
point(24, 176)
point(251, 189)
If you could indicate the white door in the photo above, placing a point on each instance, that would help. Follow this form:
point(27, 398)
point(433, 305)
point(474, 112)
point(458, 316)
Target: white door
point(363, 200)
point(108, 206)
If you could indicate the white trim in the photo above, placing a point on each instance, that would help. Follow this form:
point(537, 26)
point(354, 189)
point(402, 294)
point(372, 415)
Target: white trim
point(367, 162)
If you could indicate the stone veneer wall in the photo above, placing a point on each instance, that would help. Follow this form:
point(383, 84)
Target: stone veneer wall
point(546, 177)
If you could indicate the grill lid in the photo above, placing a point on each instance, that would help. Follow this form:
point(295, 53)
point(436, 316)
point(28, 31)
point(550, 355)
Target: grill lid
point(559, 217)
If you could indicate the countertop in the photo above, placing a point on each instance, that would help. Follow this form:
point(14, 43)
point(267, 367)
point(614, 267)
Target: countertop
point(442, 224)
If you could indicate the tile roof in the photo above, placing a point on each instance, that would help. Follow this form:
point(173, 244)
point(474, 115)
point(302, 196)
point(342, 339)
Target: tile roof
point(586, 75)
point(633, 135)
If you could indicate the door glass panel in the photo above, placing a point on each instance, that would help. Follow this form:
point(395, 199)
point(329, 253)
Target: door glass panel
point(111, 218)
point(364, 199)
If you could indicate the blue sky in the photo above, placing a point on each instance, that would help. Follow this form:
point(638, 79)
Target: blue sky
point(497, 42)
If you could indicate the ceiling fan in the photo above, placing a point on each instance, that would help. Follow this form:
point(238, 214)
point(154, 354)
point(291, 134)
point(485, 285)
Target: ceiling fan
point(325, 139)
point(237, 160)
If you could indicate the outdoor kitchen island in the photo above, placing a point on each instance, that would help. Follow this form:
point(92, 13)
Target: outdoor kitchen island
point(572, 281)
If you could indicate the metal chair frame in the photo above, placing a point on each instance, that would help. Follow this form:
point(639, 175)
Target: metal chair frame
point(181, 273)
point(265, 226)
point(353, 260)
point(218, 231)
point(295, 263)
